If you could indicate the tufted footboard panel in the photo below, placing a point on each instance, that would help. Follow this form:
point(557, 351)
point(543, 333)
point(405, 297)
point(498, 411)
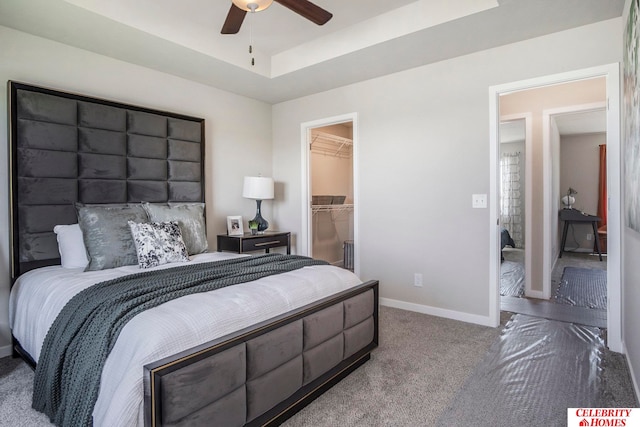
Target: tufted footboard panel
point(264, 374)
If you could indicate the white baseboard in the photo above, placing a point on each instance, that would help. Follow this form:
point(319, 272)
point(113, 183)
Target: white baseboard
point(435, 311)
point(5, 351)
point(536, 294)
point(633, 376)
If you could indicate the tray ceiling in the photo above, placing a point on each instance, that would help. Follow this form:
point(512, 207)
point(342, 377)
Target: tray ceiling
point(294, 57)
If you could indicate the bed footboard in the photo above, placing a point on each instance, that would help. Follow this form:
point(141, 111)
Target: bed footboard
point(265, 374)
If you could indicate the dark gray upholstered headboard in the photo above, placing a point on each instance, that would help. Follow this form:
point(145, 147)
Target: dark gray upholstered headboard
point(67, 148)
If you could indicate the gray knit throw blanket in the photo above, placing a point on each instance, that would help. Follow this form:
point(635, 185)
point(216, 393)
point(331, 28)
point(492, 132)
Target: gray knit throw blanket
point(67, 378)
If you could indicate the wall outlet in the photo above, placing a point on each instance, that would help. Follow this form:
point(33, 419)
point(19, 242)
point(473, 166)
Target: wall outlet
point(417, 279)
point(479, 201)
point(589, 236)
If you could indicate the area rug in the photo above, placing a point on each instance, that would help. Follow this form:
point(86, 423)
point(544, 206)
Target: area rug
point(583, 287)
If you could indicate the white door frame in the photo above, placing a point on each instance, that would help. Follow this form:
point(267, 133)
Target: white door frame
point(528, 167)
point(306, 244)
point(614, 259)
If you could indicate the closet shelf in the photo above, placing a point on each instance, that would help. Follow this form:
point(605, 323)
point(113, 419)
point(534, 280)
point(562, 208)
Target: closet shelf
point(332, 145)
point(331, 208)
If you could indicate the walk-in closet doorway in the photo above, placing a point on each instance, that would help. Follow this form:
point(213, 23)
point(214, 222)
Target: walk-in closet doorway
point(329, 229)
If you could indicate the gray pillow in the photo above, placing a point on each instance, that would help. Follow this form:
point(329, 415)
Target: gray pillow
point(190, 218)
point(107, 235)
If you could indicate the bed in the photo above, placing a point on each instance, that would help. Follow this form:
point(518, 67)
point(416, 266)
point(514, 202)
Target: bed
point(249, 354)
point(505, 240)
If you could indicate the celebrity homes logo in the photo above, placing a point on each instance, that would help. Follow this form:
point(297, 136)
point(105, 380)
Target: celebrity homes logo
point(603, 417)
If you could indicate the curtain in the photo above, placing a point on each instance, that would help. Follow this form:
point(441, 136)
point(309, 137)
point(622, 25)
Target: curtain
point(511, 201)
point(602, 187)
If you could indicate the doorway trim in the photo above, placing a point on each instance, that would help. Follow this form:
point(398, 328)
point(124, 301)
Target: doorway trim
point(305, 140)
point(614, 256)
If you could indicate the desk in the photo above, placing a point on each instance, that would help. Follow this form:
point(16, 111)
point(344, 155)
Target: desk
point(570, 216)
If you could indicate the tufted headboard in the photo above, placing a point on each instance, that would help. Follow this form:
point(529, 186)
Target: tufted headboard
point(67, 148)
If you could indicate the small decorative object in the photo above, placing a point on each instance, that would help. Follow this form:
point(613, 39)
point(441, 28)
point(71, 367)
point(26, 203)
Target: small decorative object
point(253, 226)
point(569, 200)
point(234, 226)
point(258, 188)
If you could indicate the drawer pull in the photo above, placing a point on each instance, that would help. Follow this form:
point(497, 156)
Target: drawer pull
point(267, 243)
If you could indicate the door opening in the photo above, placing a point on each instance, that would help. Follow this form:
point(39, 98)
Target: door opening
point(546, 202)
point(330, 190)
point(515, 201)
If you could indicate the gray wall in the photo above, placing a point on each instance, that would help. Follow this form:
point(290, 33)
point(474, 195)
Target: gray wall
point(631, 286)
point(29, 59)
point(424, 139)
point(423, 151)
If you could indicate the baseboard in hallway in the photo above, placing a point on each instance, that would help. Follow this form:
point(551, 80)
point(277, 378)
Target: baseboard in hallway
point(5, 351)
point(548, 310)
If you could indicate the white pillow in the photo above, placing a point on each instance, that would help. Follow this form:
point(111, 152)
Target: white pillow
point(73, 253)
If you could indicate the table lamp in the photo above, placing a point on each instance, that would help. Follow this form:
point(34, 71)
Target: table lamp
point(258, 188)
point(569, 200)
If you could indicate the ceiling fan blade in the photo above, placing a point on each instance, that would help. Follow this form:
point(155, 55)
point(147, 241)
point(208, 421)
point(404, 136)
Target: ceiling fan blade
point(234, 20)
point(307, 9)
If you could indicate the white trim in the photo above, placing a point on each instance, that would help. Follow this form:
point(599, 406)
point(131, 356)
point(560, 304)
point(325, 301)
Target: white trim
point(494, 208)
point(305, 132)
point(547, 172)
point(614, 266)
point(5, 351)
point(548, 214)
point(536, 294)
point(614, 217)
point(439, 312)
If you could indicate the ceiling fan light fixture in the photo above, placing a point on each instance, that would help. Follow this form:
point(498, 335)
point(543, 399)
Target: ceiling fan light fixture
point(252, 5)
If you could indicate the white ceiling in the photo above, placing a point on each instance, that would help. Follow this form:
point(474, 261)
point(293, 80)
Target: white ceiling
point(512, 131)
point(294, 57)
point(582, 122)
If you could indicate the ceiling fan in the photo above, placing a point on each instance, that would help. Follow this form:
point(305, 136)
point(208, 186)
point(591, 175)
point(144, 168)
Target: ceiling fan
point(304, 8)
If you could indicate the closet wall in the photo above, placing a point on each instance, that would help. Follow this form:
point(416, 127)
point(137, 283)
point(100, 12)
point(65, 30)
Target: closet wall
point(331, 163)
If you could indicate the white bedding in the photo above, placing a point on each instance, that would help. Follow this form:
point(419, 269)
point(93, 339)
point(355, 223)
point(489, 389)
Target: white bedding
point(38, 296)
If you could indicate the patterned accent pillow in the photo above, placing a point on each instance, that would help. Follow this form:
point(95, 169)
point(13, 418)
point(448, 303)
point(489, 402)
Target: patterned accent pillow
point(158, 243)
point(190, 217)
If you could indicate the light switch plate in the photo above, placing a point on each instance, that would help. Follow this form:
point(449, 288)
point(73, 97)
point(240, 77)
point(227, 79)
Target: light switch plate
point(479, 201)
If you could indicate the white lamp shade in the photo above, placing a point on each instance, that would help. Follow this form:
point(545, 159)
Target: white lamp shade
point(258, 4)
point(257, 187)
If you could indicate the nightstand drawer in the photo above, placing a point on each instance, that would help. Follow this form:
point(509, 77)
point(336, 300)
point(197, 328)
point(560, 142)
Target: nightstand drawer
point(255, 242)
point(264, 242)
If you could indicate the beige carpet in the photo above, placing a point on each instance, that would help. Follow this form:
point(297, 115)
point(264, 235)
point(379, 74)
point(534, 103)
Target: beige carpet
point(421, 363)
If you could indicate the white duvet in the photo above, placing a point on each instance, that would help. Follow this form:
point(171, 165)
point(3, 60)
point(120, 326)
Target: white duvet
point(38, 296)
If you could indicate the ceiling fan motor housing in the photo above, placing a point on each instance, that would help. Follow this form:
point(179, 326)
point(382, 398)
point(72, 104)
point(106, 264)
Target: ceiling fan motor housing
point(304, 8)
point(252, 5)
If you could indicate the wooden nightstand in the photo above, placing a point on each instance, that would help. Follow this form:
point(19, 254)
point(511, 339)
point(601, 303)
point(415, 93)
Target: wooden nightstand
point(255, 242)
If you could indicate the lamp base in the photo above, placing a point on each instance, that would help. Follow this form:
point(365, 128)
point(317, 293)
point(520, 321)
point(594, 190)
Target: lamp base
point(263, 224)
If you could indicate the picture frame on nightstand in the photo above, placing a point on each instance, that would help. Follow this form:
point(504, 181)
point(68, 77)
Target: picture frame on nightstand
point(234, 226)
